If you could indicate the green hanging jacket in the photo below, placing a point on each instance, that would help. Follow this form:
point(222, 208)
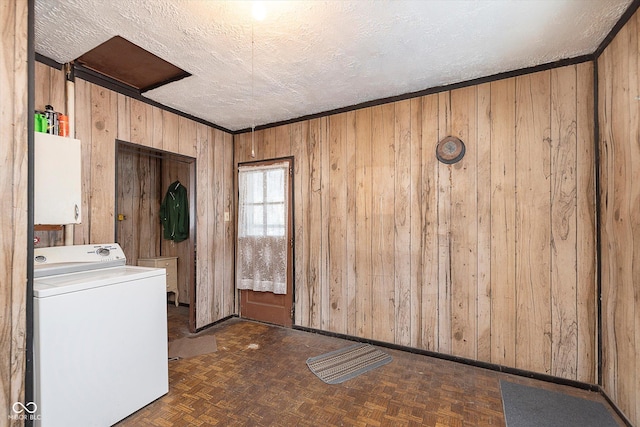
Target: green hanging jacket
point(174, 213)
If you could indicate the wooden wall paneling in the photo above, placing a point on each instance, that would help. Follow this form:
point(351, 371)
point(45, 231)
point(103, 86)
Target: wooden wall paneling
point(586, 225)
point(533, 228)
point(350, 218)
point(634, 197)
point(158, 128)
point(503, 213)
point(170, 132)
point(187, 144)
point(204, 292)
point(148, 197)
point(57, 88)
point(563, 222)
point(619, 219)
point(268, 143)
point(443, 200)
point(141, 122)
point(102, 188)
point(124, 118)
point(364, 199)
point(313, 238)
point(325, 215)
point(337, 197)
point(607, 264)
point(382, 224)
point(42, 87)
point(402, 222)
point(84, 131)
point(464, 226)
point(483, 182)
point(282, 141)
point(217, 224)
point(429, 222)
point(7, 90)
point(13, 183)
point(416, 216)
point(127, 184)
point(230, 226)
point(299, 138)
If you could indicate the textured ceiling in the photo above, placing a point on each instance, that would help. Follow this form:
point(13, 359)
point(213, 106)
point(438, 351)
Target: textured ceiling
point(315, 56)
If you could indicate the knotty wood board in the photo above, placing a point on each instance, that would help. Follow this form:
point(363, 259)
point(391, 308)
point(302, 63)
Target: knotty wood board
point(563, 223)
point(620, 223)
point(13, 183)
point(533, 228)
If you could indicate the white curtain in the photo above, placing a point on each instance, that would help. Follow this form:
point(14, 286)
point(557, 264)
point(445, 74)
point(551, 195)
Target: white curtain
point(262, 228)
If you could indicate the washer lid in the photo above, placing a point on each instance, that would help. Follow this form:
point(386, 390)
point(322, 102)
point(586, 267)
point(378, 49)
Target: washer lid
point(75, 282)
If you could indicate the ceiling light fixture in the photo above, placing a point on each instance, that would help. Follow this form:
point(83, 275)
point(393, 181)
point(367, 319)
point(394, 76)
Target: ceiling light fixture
point(259, 10)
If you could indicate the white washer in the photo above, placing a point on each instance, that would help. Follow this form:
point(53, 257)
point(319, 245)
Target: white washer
point(100, 335)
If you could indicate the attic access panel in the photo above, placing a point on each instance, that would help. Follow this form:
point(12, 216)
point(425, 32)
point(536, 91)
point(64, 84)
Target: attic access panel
point(130, 64)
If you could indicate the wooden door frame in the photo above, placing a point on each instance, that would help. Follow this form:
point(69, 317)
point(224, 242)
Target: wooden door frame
point(164, 156)
point(291, 230)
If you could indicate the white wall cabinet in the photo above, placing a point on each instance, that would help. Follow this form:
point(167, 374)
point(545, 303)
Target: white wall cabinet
point(57, 180)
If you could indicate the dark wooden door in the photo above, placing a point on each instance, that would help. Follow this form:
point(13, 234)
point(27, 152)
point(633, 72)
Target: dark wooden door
point(268, 306)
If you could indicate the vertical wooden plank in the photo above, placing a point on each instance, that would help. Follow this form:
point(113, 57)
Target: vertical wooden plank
point(13, 183)
point(337, 195)
point(83, 128)
point(141, 123)
point(282, 143)
point(617, 225)
point(299, 138)
point(157, 128)
point(350, 233)
point(313, 240)
point(102, 189)
point(217, 220)
point(483, 161)
point(503, 309)
point(563, 222)
point(429, 222)
point(170, 132)
point(19, 203)
point(41, 85)
point(124, 117)
point(382, 223)
point(444, 230)
point(203, 237)
point(586, 225)
point(187, 144)
point(57, 89)
point(364, 199)
point(229, 231)
point(268, 145)
point(402, 222)
point(127, 164)
point(7, 149)
point(416, 215)
point(464, 226)
point(607, 264)
point(533, 228)
point(325, 216)
point(634, 136)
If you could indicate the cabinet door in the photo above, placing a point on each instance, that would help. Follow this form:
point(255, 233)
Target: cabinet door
point(57, 177)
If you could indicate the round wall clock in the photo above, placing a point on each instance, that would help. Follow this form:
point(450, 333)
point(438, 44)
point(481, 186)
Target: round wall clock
point(450, 150)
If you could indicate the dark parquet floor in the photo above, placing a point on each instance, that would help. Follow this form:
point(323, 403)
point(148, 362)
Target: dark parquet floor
point(258, 377)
